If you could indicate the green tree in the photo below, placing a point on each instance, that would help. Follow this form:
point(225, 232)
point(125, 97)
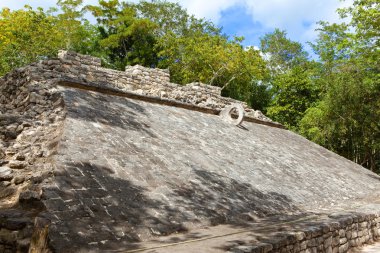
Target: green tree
point(126, 38)
point(69, 22)
point(27, 36)
point(215, 60)
point(281, 53)
point(169, 17)
point(346, 120)
point(195, 50)
point(365, 20)
point(294, 94)
point(292, 88)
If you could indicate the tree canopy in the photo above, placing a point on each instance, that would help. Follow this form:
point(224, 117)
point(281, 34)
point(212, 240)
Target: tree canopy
point(346, 118)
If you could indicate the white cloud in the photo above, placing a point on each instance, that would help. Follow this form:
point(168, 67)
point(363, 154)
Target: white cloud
point(209, 9)
point(293, 15)
point(290, 15)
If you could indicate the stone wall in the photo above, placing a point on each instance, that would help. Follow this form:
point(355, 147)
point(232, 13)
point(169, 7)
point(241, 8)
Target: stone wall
point(31, 112)
point(141, 80)
point(338, 234)
point(31, 117)
point(77, 59)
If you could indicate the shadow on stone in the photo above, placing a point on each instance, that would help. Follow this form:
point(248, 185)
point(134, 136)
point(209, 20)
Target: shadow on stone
point(374, 176)
point(91, 209)
point(95, 107)
point(223, 200)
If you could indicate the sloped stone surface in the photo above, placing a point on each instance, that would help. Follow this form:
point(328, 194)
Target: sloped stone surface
point(129, 170)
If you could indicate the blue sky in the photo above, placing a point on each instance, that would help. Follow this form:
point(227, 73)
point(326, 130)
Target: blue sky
point(249, 18)
point(236, 21)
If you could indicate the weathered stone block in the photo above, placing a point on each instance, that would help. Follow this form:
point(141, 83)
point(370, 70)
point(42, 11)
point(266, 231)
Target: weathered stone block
point(312, 243)
point(328, 242)
point(6, 173)
point(30, 199)
point(336, 241)
point(343, 248)
point(304, 244)
point(14, 164)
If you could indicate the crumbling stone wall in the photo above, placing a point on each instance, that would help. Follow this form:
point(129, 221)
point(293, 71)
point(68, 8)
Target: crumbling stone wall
point(142, 80)
point(31, 114)
point(31, 117)
point(138, 79)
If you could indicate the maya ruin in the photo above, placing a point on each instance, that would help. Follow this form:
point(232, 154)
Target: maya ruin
point(99, 160)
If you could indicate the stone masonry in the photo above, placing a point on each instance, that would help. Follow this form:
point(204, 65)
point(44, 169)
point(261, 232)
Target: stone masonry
point(93, 159)
point(141, 80)
point(336, 234)
point(31, 120)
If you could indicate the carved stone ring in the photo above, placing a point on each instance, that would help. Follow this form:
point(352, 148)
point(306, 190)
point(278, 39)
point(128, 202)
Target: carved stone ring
point(226, 114)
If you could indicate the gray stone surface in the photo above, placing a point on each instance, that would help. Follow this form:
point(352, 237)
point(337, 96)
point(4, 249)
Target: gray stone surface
point(129, 170)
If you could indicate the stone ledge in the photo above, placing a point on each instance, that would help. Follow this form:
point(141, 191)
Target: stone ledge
point(156, 100)
point(337, 234)
point(80, 58)
point(137, 79)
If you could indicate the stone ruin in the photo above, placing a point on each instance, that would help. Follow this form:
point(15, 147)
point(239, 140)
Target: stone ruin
point(143, 81)
point(93, 159)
